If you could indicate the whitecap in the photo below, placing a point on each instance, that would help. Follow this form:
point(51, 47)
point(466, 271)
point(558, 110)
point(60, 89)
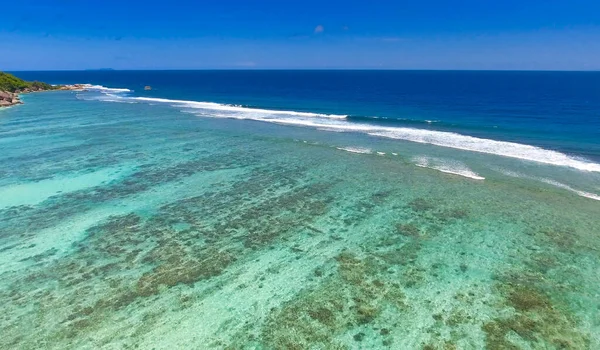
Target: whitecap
point(447, 166)
point(361, 150)
point(233, 108)
point(104, 89)
point(569, 188)
point(551, 182)
point(339, 123)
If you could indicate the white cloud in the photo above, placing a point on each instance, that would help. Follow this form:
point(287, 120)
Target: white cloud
point(319, 29)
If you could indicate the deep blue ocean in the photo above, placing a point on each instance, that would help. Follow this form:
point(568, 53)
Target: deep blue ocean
point(553, 110)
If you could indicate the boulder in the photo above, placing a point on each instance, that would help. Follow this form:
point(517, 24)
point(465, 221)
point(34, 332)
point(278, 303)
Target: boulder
point(5, 95)
point(9, 99)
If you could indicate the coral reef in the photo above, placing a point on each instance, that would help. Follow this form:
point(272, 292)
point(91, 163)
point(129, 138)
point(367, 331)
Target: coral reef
point(268, 243)
point(354, 297)
point(536, 320)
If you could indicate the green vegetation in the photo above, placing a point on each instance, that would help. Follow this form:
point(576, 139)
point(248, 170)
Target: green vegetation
point(10, 83)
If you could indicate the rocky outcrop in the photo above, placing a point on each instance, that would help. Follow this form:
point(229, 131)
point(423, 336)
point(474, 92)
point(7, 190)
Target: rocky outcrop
point(9, 99)
point(11, 87)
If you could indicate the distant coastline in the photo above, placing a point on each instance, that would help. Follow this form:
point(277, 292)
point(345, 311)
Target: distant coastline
point(12, 87)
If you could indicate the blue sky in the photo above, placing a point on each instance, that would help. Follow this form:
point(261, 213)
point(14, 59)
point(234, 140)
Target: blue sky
point(228, 34)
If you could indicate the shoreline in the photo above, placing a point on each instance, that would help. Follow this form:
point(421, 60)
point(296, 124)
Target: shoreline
point(10, 99)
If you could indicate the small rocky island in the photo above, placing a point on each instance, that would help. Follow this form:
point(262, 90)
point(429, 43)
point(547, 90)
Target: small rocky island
point(11, 87)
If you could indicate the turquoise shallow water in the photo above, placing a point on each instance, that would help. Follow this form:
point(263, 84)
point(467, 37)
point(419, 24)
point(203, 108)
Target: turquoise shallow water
point(143, 225)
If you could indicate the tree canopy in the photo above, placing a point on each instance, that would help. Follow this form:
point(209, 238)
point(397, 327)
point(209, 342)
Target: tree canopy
point(10, 83)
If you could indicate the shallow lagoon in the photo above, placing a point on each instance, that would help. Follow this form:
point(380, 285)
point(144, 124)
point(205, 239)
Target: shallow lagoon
point(140, 226)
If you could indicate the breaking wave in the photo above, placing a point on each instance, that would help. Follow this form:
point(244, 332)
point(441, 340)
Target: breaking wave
point(340, 123)
point(551, 182)
point(447, 166)
point(356, 150)
point(103, 89)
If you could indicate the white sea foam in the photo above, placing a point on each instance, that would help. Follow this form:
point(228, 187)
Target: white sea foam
point(551, 182)
point(106, 97)
point(450, 140)
point(355, 150)
point(104, 89)
point(235, 109)
point(501, 148)
point(340, 124)
point(569, 188)
point(447, 166)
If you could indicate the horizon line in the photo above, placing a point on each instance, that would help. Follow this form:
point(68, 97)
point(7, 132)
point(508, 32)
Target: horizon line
point(303, 69)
